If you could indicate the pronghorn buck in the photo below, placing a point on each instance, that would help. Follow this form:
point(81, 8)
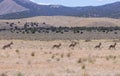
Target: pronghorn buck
point(113, 46)
point(73, 44)
point(99, 45)
point(8, 45)
point(57, 45)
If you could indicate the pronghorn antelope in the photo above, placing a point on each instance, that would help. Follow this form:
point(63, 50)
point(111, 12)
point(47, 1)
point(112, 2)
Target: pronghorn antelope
point(98, 46)
point(57, 46)
point(113, 46)
point(73, 44)
point(7, 46)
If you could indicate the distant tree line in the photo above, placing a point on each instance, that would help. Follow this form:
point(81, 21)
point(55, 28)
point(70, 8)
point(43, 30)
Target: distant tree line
point(32, 28)
point(61, 30)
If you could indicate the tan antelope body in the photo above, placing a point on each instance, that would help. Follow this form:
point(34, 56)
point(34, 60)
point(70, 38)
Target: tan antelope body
point(113, 46)
point(98, 46)
point(73, 44)
point(7, 46)
point(56, 46)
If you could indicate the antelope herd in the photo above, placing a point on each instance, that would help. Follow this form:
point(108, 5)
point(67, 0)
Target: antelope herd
point(72, 45)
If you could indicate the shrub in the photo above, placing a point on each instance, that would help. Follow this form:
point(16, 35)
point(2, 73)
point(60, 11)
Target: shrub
point(3, 74)
point(62, 55)
point(80, 60)
point(17, 51)
point(58, 59)
point(33, 54)
point(83, 67)
point(69, 54)
point(53, 56)
point(20, 74)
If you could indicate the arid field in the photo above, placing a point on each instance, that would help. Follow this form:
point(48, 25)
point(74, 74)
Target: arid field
point(80, 47)
point(49, 58)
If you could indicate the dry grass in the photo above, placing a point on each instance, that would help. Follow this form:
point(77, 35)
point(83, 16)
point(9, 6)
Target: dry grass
point(38, 58)
point(30, 60)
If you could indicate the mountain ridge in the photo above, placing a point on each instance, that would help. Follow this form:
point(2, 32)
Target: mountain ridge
point(31, 9)
point(11, 7)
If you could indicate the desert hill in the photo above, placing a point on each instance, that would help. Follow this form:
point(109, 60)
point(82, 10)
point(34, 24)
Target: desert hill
point(68, 21)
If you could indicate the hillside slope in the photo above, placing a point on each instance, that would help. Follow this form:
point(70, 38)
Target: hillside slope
point(68, 21)
point(26, 8)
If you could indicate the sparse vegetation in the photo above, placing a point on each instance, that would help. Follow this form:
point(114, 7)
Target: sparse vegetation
point(33, 54)
point(62, 55)
point(20, 74)
point(17, 51)
point(50, 74)
point(58, 59)
point(79, 61)
point(83, 67)
point(50, 52)
point(118, 74)
point(69, 55)
point(53, 56)
point(85, 74)
point(3, 74)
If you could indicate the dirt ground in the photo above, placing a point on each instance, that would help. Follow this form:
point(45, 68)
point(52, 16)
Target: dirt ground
point(44, 58)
